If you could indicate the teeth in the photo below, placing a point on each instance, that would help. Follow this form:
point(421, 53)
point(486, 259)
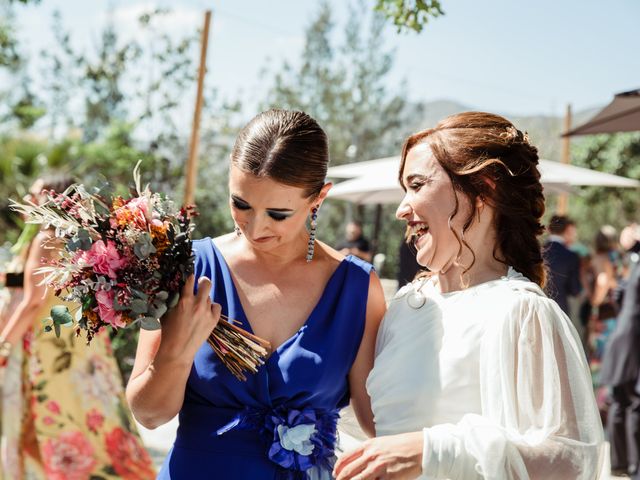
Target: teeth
point(414, 229)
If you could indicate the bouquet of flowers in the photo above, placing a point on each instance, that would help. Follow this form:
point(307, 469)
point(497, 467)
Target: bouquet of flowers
point(125, 261)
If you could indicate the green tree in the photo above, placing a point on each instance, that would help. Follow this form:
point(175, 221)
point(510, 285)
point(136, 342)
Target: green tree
point(61, 70)
point(344, 87)
point(593, 207)
point(9, 54)
point(19, 104)
point(409, 15)
point(126, 100)
point(103, 78)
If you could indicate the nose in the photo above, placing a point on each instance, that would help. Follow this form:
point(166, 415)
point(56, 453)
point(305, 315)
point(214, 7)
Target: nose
point(404, 209)
point(256, 225)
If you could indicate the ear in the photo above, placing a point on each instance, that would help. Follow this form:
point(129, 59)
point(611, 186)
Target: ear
point(322, 195)
point(489, 182)
point(481, 200)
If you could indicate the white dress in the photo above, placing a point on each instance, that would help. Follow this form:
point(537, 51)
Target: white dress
point(496, 378)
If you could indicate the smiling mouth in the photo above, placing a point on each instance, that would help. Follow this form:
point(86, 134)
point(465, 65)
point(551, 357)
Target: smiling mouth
point(417, 230)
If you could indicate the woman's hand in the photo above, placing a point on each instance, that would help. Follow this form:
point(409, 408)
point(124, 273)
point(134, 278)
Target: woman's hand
point(188, 325)
point(164, 357)
point(397, 457)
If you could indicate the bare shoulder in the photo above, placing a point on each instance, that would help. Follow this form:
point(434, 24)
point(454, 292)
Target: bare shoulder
point(328, 254)
point(227, 244)
point(601, 263)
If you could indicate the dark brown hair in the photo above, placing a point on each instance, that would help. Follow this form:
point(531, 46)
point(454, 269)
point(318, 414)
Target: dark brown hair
point(559, 224)
point(286, 146)
point(485, 156)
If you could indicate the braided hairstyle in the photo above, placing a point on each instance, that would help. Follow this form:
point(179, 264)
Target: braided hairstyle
point(486, 157)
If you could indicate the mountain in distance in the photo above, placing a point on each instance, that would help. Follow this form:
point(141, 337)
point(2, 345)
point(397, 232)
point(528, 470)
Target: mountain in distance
point(544, 130)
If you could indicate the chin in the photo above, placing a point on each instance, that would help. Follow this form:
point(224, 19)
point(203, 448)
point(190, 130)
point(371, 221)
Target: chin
point(424, 260)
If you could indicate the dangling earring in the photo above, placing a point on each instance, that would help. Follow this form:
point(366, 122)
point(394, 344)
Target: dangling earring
point(312, 233)
point(238, 231)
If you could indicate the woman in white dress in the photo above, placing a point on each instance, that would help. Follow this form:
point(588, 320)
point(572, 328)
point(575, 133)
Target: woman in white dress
point(477, 373)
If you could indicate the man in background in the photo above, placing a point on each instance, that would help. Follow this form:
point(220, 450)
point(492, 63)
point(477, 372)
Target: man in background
point(563, 264)
point(354, 242)
point(621, 373)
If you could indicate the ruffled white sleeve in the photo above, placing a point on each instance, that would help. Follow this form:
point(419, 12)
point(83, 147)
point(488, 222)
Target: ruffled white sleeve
point(539, 418)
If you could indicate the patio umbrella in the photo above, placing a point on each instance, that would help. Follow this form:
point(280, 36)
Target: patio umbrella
point(621, 115)
point(376, 181)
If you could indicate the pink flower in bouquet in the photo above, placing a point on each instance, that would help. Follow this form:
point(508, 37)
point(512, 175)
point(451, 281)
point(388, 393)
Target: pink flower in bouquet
point(104, 258)
point(140, 204)
point(106, 310)
point(68, 456)
point(134, 211)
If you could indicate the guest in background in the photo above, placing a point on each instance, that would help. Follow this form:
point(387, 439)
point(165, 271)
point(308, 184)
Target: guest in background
point(630, 242)
point(602, 319)
point(603, 307)
point(620, 367)
point(562, 263)
point(354, 242)
point(63, 407)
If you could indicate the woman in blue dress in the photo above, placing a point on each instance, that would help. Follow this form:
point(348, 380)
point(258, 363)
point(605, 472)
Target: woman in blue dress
point(319, 310)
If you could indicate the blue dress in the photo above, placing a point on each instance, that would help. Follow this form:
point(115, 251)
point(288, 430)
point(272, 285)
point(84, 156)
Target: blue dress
point(281, 422)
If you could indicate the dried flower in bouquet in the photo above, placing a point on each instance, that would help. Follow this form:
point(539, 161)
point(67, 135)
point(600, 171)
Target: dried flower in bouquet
point(124, 261)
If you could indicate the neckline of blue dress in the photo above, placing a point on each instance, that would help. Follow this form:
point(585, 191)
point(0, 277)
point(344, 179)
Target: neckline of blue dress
point(246, 324)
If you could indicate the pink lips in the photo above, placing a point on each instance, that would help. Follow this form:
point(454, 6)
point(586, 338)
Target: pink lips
point(262, 239)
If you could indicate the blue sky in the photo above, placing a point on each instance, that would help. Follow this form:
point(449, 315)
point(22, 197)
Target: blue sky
point(507, 56)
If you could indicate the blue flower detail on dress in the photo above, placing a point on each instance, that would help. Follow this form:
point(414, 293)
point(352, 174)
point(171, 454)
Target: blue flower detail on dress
point(299, 438)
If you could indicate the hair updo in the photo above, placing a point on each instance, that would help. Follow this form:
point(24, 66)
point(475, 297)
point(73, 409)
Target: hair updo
point(485, 156)
point(286, 146)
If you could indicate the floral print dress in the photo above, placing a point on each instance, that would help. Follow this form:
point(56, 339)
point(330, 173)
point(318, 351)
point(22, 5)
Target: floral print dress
point(64, 415)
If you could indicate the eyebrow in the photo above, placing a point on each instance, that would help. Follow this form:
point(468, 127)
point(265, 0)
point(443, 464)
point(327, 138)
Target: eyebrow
point(279, 210)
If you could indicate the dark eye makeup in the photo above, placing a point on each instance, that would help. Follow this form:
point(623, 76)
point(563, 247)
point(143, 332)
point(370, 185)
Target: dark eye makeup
point(239, 204)
point(276, 215)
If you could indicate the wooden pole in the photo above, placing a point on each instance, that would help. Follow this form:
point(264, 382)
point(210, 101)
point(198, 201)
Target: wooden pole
point(377, 223)
point(192, 162)
point(563, 198)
